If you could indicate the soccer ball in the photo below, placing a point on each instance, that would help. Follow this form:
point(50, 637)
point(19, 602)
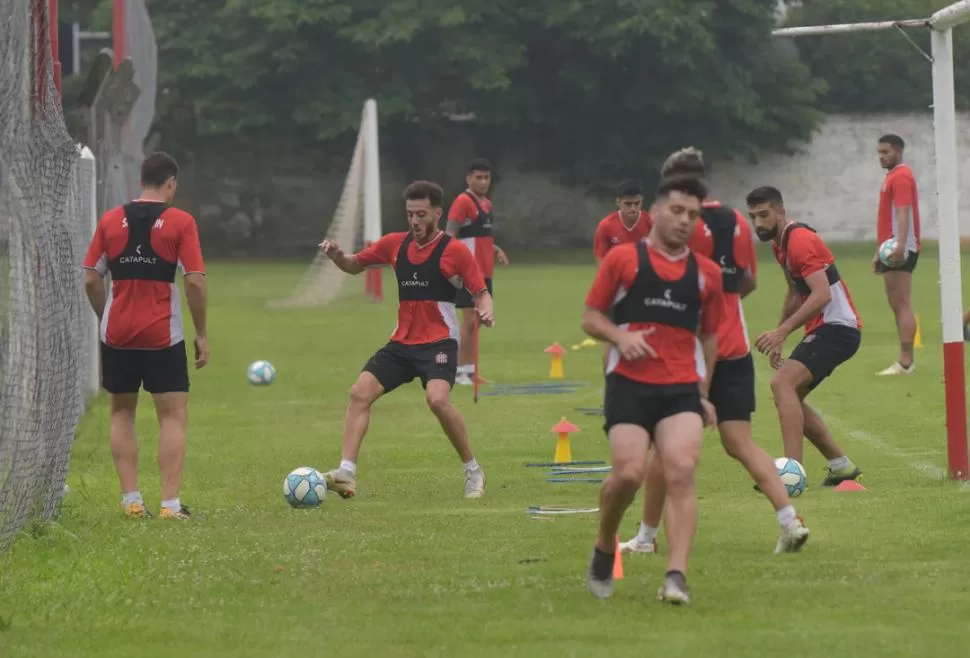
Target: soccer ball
point(304, 487)
point(885, 251)
point(261, 373)
point(792, 476)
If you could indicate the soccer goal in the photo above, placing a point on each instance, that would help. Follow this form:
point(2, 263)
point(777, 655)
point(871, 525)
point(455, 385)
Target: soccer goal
point(941, 26)
point(355, 222)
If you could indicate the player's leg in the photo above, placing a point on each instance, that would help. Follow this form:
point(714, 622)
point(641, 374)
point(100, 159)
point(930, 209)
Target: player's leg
point(654, 496)
point(121, 378)
point(898, 283)
point(167, 379)
point(466, 332)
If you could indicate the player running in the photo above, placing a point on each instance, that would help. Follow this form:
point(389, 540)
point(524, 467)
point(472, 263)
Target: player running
point(470, 218)
point(723, 235)
point(666, 305)
point(430, 268)
point(628, 223)
point(898, 217)
point(142, 244)
point(819, 299)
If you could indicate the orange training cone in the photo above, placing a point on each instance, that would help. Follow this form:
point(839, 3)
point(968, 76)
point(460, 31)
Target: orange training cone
point(850, 485)
point(555, 367)
point(563, 452)
point(617, 560)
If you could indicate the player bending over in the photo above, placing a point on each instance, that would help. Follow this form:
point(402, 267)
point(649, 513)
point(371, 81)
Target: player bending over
point(723, 235)
point(650, 301)
point(430, 268)
point(470, 218)
point(819, 299)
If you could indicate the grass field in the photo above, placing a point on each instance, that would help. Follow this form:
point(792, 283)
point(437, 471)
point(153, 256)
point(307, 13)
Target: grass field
point(410, 568)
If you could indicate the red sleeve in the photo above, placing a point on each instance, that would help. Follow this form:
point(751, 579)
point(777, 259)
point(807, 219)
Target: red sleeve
point(700, 243)
point(712, 299)
point(807, 254)
point(96, 258)
point(190, 248)
point(462, 209)
point(601, 240)
point(458, 260)
point(609, 276)
point(744, 249)
point(380, 252)
point(903, 184)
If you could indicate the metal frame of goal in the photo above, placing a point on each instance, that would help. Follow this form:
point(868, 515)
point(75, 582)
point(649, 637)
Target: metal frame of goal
point(941, 26)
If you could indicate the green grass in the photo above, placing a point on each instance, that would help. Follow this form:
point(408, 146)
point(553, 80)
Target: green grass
point(410, 568)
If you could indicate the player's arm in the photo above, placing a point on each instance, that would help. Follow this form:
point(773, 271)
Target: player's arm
point(746, 255)
point(712, 314)
point(95, 269)
point(190, 260)
point(631, 345)
point(903, 208)
point(458, 215)
point(373, 255)
point(458, 261)
point(601, 243)
point(820, 295)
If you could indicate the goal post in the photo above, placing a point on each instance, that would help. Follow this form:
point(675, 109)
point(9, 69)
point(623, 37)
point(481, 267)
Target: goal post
point(941, 26)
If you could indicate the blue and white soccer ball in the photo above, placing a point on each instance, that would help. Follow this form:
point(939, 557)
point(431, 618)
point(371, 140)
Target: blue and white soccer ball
point(261, 373)
point(792, 476)
point(305, 487)
point(885, 251)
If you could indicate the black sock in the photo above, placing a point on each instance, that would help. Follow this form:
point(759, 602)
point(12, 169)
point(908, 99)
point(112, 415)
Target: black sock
point(602, 566)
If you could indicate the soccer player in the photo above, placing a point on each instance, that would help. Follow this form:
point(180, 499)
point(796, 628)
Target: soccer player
point(659, 305)
point(142, 244)
point(430, 268)
point(628, 223)
point(470, 218)
point(898, 218)
point(723, 235)
point(818, 299)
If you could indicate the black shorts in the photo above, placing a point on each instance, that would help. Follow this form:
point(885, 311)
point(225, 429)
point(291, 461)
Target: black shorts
point(396, 364)
point(645, 405)
point(732, 389)
point(464, 299)
point(823, 351)
point(158, 371)
point(911, 258)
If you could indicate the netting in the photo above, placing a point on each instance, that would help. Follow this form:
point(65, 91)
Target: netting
point(43, 230)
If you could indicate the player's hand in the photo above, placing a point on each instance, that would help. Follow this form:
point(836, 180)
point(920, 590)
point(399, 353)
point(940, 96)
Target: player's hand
point(775, 359)
point(875, 263)
point(633, 345)
point(500, 256)
point(898, 256)
point(331, 248)
point(483, 308)
point(770, 341)
point(710, 413)
point(201, 351)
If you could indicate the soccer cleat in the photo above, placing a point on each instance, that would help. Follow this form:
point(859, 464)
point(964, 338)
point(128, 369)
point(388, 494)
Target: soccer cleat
point(793, 537)
point(137, 511)
point(835, 477)
point(898, 369)
point(637, 545)
point(464, 380)
point(341, 482)
point(674, 590)
point(475, 483)
point(600, 576)
point(182, 513)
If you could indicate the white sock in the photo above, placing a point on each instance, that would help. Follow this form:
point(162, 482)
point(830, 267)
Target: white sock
point(132, 497)
point(839, 463)
point(464, 370)
point(786, 516)
point(647, 534)
point(470, 369)
point(349, 466)
point(471, 466)
point(173, 504)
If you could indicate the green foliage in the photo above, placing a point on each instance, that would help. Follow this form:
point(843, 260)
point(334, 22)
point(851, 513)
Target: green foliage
point(595, 89)
point(876, 71)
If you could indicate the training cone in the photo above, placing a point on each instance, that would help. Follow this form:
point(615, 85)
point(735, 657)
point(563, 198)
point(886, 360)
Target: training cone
point(918, 338)
point(617, 560)
point(850, 485)
point(563, 451)
point(555, 367)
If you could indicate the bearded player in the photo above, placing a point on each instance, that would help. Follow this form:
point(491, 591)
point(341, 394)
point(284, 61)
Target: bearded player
point(723, 235)
point(430, 268)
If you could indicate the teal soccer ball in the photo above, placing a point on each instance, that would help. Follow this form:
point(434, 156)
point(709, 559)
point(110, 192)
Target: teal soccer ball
point(305, 487)
point(261, 373)
point(885, 251)
point(792, 476)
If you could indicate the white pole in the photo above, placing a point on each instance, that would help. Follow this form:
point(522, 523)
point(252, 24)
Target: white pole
point(950, 16)
point(75, 48)
point(819, 30)
point(372, 175)
point(93, 381)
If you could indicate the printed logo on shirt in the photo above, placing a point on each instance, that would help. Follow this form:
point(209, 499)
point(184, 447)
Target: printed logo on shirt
point(414, 283)
point(441, 358)
point(665, 302)
point(137, 258)
point(725, 268)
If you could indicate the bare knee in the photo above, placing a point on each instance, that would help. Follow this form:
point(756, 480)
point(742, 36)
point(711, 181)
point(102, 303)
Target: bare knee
point(629, 476)
point(780, 386)
point(361, 395)
point(438, 402)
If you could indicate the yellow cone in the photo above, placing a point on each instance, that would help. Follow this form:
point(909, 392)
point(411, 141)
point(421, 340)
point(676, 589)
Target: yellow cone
point(918, 339)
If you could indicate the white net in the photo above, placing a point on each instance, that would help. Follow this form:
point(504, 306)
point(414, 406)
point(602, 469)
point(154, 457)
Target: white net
point(44, 344)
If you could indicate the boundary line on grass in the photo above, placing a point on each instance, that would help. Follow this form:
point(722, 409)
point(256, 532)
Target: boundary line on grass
point(880, 445)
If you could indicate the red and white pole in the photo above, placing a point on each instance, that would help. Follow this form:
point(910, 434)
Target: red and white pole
point(118, 31)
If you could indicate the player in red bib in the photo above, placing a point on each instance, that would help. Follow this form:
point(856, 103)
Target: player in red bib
point(628, 223)
point(818, 299)
point(724, 236)
point(899, 218)
point(143, 244)
point(659, 305)
point(430, 268)
point(470, 218)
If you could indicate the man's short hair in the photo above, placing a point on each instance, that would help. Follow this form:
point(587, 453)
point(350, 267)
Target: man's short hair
point(479, 164)
point(893, 140)
point(629, 187)
point(425, 189)
point(689, 185)
point(157, 168)
point(765, 194)
point(687, 161)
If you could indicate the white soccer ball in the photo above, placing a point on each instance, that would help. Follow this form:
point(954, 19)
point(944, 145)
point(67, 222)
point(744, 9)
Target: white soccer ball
point(261, 373)
point(792, 475)
point(304, 487)
point(885, 251)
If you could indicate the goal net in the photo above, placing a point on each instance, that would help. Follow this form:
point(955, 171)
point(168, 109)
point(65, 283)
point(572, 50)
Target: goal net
point(46, 336)
point(355, 222)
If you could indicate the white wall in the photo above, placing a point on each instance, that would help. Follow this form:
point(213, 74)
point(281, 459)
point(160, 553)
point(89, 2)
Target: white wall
point(833, 184)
